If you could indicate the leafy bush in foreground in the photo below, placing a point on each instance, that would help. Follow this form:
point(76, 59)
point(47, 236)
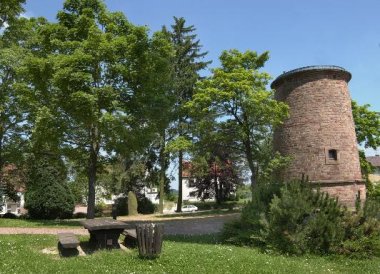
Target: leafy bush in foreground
point(297, 219)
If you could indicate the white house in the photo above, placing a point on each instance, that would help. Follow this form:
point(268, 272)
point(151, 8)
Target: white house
point(10, 206)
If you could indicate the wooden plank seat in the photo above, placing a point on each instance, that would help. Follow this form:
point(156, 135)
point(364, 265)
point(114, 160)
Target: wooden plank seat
point(130, 239)
point(68, 244)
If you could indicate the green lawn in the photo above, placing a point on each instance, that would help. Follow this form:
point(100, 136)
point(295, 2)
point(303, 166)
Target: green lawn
point(23, 253)
point(4, 222)
point(200, 213)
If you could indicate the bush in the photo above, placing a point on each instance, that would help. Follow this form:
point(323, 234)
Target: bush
point(48, 195)
point(302, 220)
point(9, 215)
point(79, 215)
point(132, 204)
point(297, 219)
point(145, 206)
point(246, 230)
point(99, 209)
point(121, 206)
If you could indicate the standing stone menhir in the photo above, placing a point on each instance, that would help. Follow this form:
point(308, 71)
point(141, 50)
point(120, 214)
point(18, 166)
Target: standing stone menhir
point(319, 134)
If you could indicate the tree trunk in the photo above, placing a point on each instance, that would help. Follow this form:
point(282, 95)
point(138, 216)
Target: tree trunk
point(179, 203)
point(92, 168)
point(251, 163)
point(162, 174)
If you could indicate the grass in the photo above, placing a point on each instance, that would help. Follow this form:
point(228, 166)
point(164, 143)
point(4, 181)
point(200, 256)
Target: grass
point(201, 254)
point(200, 213)
point(4, 222)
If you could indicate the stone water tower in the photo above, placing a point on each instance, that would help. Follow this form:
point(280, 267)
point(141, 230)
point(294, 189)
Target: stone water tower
point(319, 134)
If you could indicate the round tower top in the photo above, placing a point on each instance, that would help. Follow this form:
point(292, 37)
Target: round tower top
point(310, 69)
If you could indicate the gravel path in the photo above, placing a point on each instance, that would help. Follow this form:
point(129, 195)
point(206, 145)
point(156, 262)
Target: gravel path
point(185, 226)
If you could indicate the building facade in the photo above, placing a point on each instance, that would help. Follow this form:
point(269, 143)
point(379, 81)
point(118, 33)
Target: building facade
point(319, 134)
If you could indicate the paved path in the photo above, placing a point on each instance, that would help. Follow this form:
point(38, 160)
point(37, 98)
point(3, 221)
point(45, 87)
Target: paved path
point(186, 226)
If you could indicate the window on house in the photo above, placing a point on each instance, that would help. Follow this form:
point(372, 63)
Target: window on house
point(333, 154)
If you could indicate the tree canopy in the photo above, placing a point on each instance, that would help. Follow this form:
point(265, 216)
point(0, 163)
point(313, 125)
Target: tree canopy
point(244, 110)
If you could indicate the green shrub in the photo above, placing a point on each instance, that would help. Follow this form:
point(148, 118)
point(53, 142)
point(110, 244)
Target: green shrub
point(121, 206)
point(49, 201)
point(297, 219)
point(302, 220)
point(132, 204)
point(47, 193)
point(362, 231)
point(10, 215)
point(99, 209)
point(145, 206)
point(246, 231)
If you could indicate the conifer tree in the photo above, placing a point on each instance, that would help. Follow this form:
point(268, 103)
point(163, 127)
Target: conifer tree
point(187, 63)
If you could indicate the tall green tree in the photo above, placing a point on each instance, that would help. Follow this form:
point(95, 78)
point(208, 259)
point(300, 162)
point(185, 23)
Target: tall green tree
point(13, 114)
point(245, 111)
point(101, 76)
point(187, 64)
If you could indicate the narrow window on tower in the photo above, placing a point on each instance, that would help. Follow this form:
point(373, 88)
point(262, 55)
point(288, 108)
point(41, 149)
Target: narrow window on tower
point(333, 154)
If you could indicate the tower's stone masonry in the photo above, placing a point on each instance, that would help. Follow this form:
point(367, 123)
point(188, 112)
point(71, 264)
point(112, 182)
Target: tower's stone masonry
point(319, 134)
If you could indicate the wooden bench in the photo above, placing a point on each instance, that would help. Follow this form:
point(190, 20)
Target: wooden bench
point(130, 239)
point(68, 244)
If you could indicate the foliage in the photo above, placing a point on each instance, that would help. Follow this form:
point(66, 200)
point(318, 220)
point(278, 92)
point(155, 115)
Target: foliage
point(362, 231)
point(121, 206)
point(9, 10)
point(367, 125)
point(9, 215)
point(245, 111)
point(186, 65)
point(294, 218)
point(145, 206)
point(246, 231)
point(100, 77)
point(214, 177)
point(132, 204)
point(48, 195)
point(367, 129)
point(302, 221)
point(99, 209)
point(49, 200)
point(243, 192)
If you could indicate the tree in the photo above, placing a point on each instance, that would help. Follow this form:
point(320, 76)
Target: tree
point(13, 112)
point(186, 67)
point(98, 76)
point(245, 111)
point(215, 176)
point(367, 129)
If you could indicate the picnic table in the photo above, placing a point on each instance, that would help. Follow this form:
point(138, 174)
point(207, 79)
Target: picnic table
point(104, 233)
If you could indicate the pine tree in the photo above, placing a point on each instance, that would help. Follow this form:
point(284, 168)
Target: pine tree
point(187, 63)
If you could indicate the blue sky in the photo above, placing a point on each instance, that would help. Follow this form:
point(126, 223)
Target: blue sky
point(296, 33)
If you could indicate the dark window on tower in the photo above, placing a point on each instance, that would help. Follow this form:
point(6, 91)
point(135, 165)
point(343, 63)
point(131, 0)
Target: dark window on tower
point(333, 154)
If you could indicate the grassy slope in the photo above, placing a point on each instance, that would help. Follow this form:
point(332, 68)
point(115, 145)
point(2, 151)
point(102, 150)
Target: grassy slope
point(22, 253)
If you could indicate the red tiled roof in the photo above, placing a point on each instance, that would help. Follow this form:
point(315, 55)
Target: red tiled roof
point(374, 160)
